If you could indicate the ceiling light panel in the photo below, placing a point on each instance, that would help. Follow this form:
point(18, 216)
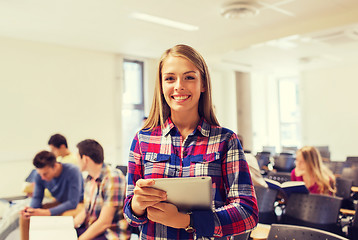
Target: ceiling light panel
point(164, 21)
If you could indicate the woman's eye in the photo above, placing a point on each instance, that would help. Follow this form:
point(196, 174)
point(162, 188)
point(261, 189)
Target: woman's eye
point(169, 79)
point(190, 77)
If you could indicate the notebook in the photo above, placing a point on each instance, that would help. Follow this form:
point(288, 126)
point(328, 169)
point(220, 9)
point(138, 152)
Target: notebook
point(52, 227)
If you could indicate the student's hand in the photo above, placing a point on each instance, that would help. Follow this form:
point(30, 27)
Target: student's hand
point(79, 218)
point(145, 196)
point(23, 211)
point(299, 171)
point(168, 215)
point(27, 212)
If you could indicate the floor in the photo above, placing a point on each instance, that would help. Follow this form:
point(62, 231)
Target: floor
point(14, 235)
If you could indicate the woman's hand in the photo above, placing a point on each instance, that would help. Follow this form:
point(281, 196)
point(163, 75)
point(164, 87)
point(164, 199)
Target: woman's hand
point(299, 171)
point(168, 215)
point(145, 196)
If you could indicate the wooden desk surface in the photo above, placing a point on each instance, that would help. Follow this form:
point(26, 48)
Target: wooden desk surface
point(261, 232)
point(347, 211)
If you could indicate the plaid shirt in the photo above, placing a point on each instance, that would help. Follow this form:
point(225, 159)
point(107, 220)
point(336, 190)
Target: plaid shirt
point(208, 151)
point(107, 190)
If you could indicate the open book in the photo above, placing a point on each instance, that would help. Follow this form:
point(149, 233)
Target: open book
point(52, 227)
point(287, 187)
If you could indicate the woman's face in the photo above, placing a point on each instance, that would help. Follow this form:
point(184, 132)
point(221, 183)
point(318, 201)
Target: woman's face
point(181, 84)
point(300, 162)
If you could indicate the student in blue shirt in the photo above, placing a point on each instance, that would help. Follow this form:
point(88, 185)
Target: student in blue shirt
point(65, 183)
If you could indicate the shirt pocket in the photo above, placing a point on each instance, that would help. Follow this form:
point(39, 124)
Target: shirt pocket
point(156, 165)
point(206, 165)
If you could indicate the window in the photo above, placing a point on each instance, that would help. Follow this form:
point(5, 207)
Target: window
point(132, 103)
point(289, 113)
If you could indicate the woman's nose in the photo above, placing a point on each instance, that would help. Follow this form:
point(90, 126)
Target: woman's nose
point(179, 84)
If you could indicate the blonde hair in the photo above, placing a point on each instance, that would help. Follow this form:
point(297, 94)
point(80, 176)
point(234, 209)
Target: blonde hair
point(321, 174)
point(160, 110)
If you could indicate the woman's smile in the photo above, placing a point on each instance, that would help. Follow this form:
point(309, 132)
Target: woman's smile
point(180, 98)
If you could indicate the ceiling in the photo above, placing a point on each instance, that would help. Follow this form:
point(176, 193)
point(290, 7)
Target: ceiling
point(284, 33)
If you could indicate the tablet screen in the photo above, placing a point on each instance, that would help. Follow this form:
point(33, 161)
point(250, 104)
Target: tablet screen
point(187, 193)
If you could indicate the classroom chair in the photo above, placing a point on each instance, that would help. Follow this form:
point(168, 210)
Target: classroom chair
point(242, 236)
point(353, 227)
point(263, 159)
point(344, 191)
point(266, 198)
point(279, 176)
point(325, 153)
point(271, 149)
point(351, 162)
point(335, 166)
point(289, 149)
point(123, 168)
point(284, 162)
point(313, 210)
point(351, 174)
point(284, 231)
point(352, 159)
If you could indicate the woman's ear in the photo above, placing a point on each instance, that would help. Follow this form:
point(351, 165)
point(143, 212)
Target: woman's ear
point(203, 88)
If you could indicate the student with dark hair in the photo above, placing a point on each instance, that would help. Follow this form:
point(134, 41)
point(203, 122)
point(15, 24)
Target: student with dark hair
point(182, 138)
point(64, 182)
point(59, 147)
point(57, 140)
point(103, 197)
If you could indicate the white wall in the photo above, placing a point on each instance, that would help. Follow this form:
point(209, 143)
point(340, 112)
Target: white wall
point(265, 118)
point(329, 102)
point(243, 108)
point(45, 89)
point(224, 97)
point(328, 99)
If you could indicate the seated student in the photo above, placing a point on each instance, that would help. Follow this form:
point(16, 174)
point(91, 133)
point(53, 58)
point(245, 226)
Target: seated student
point(103, 197)
point(59, 147)
point(310, 169)
point(254, 168)
point(65, 183)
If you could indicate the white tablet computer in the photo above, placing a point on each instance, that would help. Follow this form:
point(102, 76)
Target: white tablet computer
point(187, 193)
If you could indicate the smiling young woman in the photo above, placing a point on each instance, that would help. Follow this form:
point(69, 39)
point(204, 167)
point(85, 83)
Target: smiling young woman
point(182, 138)
point(182, 88)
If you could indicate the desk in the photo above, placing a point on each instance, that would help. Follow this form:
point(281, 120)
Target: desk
point(261, 232)
point(347, 211)
point(13, 198)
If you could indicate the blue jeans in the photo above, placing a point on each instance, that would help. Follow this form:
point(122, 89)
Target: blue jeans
point(83, 228)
